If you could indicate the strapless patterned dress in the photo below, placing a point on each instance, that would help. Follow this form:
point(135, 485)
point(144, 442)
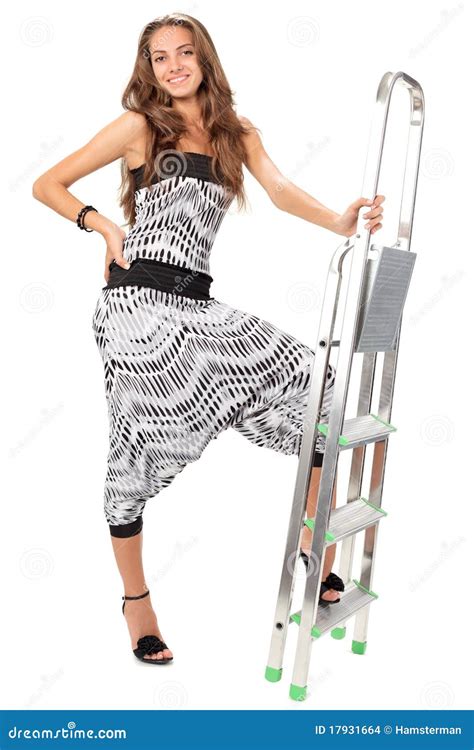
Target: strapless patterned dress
point(180, 366)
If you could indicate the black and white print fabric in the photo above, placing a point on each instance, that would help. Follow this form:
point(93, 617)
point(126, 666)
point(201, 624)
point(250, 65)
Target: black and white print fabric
point(179, 371)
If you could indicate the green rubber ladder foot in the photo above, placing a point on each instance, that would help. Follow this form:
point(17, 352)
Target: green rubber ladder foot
point(338, 633)
point(297, 693)
point(359, 647)
point(272, 674)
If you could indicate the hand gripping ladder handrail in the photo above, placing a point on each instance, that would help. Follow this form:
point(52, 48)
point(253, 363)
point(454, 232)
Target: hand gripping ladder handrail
point(375, 295)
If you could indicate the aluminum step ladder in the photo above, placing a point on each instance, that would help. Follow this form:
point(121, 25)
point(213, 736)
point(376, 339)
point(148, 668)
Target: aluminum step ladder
point(378, 278)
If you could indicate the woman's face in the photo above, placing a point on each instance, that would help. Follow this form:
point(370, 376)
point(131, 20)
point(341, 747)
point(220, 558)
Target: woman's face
point(174, 61)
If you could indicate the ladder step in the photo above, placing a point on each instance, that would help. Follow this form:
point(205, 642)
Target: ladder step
point(353, 517)
point(349, 519)
point(361, 431)
point(352, 599)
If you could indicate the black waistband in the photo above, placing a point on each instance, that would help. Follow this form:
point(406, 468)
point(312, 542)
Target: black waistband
point(166, 277)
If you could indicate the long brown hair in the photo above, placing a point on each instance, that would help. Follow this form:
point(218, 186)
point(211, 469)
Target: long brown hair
point(166, 125)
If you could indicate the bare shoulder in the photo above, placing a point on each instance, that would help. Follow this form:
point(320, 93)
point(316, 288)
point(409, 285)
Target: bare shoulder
point(257, 161)
point(131, 130)
point(251, 137)
point(136, 133)
point(252, 142)
point(120, 138)
point(134, 123)
point(246, 122)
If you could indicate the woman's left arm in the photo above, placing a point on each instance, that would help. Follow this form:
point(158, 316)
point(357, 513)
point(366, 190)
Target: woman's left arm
point(288, 197)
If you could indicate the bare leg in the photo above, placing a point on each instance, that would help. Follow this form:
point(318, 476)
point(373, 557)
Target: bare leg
point(307, 534)
point(140, 616)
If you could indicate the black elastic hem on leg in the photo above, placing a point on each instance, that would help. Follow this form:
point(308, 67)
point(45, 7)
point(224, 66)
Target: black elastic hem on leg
point(318, 458)
point(127, 529)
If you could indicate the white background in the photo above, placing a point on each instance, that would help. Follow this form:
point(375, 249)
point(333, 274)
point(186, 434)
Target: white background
point(307, 74)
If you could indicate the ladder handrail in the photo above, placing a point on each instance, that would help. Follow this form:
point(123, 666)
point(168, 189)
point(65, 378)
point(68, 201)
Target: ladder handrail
point(375, 150)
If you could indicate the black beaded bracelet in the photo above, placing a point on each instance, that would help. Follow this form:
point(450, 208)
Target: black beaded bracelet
point(80, 217)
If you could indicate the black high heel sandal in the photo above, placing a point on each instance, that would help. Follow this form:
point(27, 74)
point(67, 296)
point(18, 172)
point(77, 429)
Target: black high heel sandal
point(148, 644)
point(332, 581)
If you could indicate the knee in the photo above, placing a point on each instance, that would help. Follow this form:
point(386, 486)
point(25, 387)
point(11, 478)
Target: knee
point(127, 529)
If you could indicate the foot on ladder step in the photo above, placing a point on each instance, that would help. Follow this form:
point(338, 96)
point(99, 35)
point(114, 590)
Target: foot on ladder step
point(329, 587)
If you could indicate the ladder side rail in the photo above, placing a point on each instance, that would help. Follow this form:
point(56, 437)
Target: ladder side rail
point(328, 472)
point(357, 464)
point(376, 487)
point(316, 390)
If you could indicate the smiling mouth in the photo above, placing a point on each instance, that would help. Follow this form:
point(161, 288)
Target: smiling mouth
point(178, 79)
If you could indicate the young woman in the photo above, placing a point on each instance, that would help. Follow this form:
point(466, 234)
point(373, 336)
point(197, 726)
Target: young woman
point(180, 366)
